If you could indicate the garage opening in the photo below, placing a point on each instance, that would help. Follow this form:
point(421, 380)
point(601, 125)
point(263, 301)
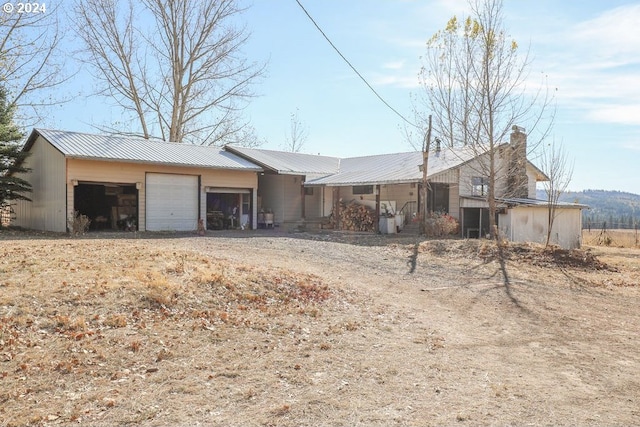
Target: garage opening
point(228, 209)
point(108, 206)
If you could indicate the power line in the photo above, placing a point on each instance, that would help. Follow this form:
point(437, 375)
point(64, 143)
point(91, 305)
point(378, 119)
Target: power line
point(352, 67)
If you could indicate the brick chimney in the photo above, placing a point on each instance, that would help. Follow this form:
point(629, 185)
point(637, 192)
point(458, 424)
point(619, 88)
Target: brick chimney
point(517, 181)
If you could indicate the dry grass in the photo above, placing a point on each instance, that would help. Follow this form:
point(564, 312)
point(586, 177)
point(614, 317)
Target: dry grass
point(171, 332)
point(616, 238)
point(90, 333)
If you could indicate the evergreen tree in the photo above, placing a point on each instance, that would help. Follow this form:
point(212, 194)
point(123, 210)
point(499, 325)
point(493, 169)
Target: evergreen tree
point(11, 157)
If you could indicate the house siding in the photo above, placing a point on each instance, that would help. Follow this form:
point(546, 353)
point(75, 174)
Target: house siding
point(280, 194)
point(82, 170)
point(313, 204)
point(47, 209)
point(454, 201)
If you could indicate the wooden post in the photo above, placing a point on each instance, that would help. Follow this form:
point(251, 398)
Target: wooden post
point(336, 206)
point(377, 217)
point(303, 199)
point(422, 208)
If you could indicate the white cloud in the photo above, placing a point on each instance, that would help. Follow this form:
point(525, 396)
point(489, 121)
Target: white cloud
point(612, 35)
point(618, 114)
point(394, 65)
point(403, 81)
point(595, 66)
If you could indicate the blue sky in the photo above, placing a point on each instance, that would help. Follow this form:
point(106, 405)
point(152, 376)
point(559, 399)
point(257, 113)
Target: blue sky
point(589, 51)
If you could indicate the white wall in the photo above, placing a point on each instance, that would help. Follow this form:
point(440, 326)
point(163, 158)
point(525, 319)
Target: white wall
point(529, 224)
point(47, 210)
point(280, 194)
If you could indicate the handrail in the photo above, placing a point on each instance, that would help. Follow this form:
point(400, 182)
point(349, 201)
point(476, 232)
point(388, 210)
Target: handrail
point(408, 209)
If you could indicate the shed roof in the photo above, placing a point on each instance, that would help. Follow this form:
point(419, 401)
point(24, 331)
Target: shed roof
point(539, 203)
point(139, 150)
point(288, 163)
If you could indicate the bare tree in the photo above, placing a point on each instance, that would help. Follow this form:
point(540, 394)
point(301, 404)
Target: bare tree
point(246, 137)
point(30, 65)
point(184, 79)
point(298, 135)
point(474, 81)
point(555, 164)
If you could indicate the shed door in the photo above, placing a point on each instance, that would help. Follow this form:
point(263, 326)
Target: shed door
point(171, 202)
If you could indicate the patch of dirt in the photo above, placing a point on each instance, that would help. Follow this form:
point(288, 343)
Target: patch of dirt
point(276, 329)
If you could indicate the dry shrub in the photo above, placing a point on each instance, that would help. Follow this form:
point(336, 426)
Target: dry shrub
point(440, 225)
point(159, 291)
point(179, 266)
point(78, 224)
point(116, 321)
point(209, 277)
point(66, 323)
point(135, 346)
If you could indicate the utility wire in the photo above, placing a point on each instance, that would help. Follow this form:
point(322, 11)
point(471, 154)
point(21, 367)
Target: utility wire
point(352, 67)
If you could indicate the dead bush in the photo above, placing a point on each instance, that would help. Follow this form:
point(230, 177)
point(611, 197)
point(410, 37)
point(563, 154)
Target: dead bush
point(78, 224)
point(440, 225)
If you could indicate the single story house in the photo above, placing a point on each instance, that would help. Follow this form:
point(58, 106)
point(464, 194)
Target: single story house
point(303, 188)
point(133, 183)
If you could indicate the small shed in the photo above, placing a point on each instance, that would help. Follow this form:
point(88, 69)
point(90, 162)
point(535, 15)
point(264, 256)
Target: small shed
point(527, 220)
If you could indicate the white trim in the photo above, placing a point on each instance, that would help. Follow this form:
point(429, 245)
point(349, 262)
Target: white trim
point(227, 190)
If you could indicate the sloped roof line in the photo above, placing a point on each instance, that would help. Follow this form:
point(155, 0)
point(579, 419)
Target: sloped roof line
point(284, 162)
point(139, 150)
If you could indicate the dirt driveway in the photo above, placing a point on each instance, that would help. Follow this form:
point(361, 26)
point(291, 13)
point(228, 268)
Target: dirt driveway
point(427, 333)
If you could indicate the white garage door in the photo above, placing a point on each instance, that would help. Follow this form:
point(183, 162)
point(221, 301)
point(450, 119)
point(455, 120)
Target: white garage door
point(171, 202)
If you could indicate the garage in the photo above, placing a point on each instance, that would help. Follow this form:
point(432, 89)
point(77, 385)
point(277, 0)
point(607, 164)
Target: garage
point(228, 208)
point(109, 206)
point(171, 202)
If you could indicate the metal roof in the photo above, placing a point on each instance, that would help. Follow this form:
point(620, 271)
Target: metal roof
point(139, 150)
point(288, 163)
point(539, 203)
point(393, 168)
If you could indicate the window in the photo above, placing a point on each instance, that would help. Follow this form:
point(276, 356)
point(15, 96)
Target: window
point(438, 197)
point(308, 191)
point(362, 189)
point(479, 186)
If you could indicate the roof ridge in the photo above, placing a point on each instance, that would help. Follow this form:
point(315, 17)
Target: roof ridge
point(127, 137)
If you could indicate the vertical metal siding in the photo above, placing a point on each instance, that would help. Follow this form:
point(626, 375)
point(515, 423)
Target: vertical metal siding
point(46, 211)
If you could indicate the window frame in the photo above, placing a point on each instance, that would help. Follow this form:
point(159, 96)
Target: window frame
point(479, 186)
point(361, 189)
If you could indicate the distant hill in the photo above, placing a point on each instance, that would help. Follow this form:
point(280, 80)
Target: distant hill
point(617, 208)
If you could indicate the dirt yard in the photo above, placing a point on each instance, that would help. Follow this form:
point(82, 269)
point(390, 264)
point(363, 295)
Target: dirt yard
point(335, 329)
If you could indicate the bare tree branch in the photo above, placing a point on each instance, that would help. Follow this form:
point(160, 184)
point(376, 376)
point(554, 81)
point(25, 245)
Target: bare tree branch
point(184, 79)
point(30, 66)
point(298, 134)
point(554, 162)
point(474, 83)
